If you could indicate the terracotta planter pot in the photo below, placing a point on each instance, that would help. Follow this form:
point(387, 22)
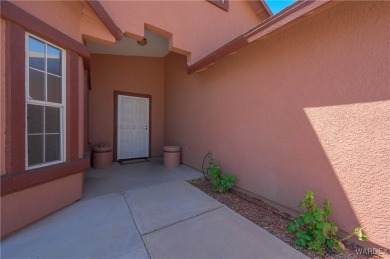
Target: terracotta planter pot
point(171, 157)
point(102, 157)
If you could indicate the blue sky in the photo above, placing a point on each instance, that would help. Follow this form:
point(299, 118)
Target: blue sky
point(277, 5)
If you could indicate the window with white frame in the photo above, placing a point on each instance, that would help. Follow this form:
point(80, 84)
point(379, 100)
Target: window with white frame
point(45, 103)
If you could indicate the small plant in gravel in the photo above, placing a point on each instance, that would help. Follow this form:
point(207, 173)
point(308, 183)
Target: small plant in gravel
point(222, 181)
point(313, 229)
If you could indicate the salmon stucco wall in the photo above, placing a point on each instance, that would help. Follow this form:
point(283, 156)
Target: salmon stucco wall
point(2, 98)
point(25, 207)
point(141, 75)
point(82, 92)
point(81, 21)
point(194, 27)
point(307, 108)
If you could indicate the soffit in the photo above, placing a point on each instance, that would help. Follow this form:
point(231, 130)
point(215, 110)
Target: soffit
point(282, 20)
point(157, 46)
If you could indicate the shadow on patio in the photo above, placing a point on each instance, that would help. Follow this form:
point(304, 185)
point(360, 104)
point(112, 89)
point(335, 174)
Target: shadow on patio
point(119, 178)
point(145, 211)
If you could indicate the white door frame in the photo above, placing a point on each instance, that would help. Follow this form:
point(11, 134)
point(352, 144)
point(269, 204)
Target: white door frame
point(116, 95)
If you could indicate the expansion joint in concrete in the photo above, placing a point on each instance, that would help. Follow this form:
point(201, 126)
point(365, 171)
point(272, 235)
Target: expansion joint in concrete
point(194, 216)
point(132, 218)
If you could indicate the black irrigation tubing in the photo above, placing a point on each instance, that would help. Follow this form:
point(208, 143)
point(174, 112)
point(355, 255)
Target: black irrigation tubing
point(271, 210)
point(204, 159)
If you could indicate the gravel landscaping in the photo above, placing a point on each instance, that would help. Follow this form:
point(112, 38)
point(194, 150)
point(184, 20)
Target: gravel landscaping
point(269, 218)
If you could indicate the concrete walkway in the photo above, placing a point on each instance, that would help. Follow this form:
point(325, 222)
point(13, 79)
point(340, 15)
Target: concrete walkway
point(172, 219)
point(121, 178)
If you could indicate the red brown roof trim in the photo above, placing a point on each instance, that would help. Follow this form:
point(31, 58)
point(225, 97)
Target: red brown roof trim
point(223, 4)
point(266, 7)
point(30, 23)
point(105, 18)
point(272, 23)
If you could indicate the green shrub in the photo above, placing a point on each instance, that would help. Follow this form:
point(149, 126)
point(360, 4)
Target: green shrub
point(222, 181)
point(313, 229)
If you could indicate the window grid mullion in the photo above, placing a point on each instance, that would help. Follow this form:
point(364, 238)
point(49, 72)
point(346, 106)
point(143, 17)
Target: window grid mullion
point(44, 109)
point(45, 78)
point(45, 104)
point(42, 103)
point(44, 135)
point(61, 134)
point(36, 69)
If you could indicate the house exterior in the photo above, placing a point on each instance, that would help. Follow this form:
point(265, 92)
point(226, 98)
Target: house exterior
point(288, 102)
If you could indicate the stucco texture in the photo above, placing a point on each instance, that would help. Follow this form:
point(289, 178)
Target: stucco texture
point(83, 90)
point(140, 75)
point(307, 108)
point(195, 28)
point(25, 207)
point(81, 21)
point(25, 202)
point(2, 98)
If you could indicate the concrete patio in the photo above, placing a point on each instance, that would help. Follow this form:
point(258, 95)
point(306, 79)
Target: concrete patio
point(145, 211)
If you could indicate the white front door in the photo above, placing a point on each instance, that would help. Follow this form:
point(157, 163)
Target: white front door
point(133, 127)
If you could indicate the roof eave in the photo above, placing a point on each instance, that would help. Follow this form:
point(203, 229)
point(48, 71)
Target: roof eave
point(267, 26)
point(266, 7)
point(105, 18)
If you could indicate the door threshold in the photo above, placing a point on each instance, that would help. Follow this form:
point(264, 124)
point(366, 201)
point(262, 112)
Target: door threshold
point(133, 161)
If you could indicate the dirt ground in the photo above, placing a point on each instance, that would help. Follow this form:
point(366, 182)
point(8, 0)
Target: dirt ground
point(269, 218)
